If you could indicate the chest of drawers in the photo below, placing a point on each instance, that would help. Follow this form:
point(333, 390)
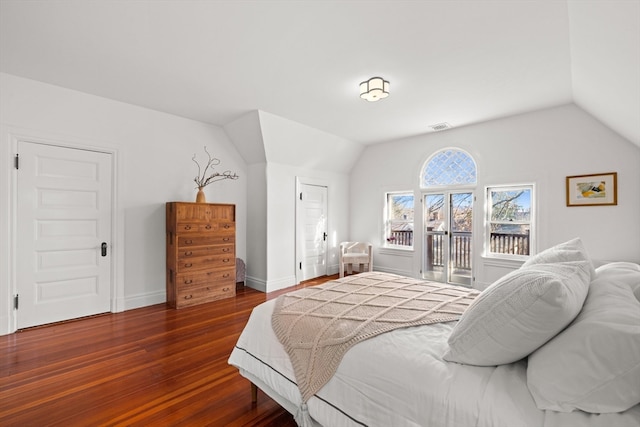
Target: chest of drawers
point(201, 253)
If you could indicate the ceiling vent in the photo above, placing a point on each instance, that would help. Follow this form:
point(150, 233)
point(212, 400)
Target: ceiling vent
point(441, 126)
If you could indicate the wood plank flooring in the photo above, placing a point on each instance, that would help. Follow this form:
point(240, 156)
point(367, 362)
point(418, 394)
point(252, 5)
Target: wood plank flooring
point(152, 366)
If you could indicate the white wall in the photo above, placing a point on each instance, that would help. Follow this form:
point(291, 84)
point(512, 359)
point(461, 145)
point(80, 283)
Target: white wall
point(256, 260)
point(543, 148)
point(297, 151)
point(153, 152)
point(605, 65)
point(281, 239)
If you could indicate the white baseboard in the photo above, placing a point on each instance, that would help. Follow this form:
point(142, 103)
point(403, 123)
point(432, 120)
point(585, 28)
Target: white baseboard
point(282, 283)
point(481, 286)
point(4, 326)
point(254, 283)
point(270, 285)
point(143, 300)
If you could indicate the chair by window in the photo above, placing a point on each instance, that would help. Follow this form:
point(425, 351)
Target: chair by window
point(355, 253)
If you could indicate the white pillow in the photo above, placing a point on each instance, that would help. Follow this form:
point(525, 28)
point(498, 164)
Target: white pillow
point(594, 364)
point(573, 250)
point(519, 313)
point(619, 265)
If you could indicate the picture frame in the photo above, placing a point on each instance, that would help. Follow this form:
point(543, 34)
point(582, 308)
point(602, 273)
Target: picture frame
point(592, 190)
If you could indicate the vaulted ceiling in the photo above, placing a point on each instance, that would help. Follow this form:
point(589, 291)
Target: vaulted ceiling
point(458, 62)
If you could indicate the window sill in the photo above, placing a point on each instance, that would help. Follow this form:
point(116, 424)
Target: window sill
point(504, 260)
point(396, 251)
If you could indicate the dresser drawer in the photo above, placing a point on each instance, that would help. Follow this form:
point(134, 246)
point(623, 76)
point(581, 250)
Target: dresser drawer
point(198, 251)
point(185, 280)
point(196, 211)
point(205, 239)
point(204, 227)
point(199, 295)
point(206, 262)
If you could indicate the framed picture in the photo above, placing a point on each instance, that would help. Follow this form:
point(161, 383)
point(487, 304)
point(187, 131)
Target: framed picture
point(592, 190)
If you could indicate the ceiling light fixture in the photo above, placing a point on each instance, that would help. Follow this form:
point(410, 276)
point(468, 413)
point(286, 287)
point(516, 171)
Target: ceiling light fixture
point(374, 89)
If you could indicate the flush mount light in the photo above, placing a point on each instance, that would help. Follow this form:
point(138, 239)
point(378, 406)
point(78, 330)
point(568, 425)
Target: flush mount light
point(374, 89)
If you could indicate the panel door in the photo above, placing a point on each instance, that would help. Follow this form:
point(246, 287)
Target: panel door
point(63, 219)
point(312, 231)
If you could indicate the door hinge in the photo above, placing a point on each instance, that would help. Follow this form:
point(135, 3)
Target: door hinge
point(15, 302)
point(300, 196)
point(300, 266)
point(17, 162)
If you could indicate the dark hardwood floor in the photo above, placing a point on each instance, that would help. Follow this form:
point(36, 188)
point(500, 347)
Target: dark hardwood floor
point(152, 366)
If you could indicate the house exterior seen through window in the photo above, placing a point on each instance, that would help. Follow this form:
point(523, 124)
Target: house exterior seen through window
point(510, 221)
point(399, 223)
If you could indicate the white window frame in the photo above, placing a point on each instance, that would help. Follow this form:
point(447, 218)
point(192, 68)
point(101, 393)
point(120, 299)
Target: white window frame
point(531, 222)
point(387, 221)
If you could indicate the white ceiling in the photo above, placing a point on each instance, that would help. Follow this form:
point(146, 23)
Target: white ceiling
point(458, 62)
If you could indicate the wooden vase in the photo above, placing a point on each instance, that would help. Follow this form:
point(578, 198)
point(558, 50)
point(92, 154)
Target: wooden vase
point(200, 197)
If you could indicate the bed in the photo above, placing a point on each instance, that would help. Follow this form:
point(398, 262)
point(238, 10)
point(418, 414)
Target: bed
point(576, 366)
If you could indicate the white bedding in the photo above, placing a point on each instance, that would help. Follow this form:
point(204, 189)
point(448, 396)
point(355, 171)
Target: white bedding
point(400, 379)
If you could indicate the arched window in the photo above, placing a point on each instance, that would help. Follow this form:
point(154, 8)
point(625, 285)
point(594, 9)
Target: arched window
point(447, 167)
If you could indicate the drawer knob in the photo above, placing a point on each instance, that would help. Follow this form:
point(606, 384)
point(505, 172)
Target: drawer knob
point(226, 250)
point(225, 260)
point(188, 282)
point(226, 239)
point(189, 265)
point(225, 275)
point(187, 227)
point(225, 289)
point(188, 296)
point(208, 226)
point(188, 253)
point(226, 226)
point(188, 242)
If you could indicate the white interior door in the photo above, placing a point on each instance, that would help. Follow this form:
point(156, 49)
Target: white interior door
point(312, 231)
point(63, 218)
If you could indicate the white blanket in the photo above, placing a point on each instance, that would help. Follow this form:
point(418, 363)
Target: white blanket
point(400, 379)
point(319, 324)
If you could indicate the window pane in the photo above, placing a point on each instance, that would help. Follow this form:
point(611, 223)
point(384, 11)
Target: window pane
point(510, 218)
point(400, 219)
point(449, 167)
point(435, 212)
point(510, 229)
point(511, 205)
point(462, 212)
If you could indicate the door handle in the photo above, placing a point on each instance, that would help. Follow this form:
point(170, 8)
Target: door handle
point(103, 247)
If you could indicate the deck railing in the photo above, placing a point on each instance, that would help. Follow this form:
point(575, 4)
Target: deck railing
point(513, 244)
point(461, 251)
point(402, 238)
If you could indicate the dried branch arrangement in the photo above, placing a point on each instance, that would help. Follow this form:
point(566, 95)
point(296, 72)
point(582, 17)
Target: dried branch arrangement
point(207, 176)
